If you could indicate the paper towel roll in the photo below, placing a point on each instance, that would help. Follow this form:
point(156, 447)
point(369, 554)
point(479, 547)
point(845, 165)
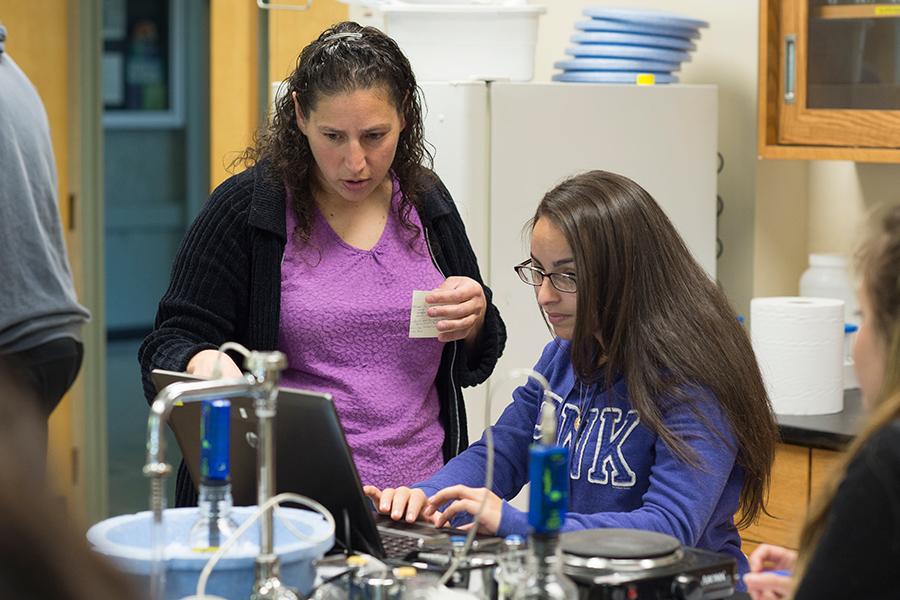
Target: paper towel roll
point(799, 346)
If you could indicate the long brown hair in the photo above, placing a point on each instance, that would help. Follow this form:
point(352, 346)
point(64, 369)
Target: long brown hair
point(649, 313)
point(344, 58)
point(878, 261)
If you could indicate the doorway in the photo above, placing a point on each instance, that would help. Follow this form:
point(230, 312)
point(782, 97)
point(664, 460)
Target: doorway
point(155, 87)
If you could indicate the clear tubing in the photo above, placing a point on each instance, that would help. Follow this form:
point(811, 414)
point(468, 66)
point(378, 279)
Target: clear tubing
point(265, 508)
point(217, 366)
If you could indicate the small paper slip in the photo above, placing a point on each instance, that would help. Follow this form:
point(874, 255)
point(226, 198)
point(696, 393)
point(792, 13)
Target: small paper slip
point(420, 324)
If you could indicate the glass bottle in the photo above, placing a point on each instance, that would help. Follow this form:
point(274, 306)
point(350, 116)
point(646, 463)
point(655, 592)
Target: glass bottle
point(511, 568)
point(214, 522)
point(546, 580)
point(460, 578)
point(358, 568)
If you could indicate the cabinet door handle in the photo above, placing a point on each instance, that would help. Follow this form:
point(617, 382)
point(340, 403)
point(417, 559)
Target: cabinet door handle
point(269, 6)
point(790, 67)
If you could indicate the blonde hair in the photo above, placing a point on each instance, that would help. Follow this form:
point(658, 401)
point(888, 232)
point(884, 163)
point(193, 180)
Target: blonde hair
point(878, 260)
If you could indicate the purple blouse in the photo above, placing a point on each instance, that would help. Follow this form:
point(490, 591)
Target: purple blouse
point(345, 331)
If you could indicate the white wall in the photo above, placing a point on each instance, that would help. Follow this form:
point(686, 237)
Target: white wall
point(840, 193)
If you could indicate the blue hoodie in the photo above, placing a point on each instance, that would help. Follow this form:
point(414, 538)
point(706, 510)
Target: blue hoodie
point(621, 474)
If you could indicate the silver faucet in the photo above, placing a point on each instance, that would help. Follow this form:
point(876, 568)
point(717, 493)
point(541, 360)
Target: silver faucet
point(261, 383)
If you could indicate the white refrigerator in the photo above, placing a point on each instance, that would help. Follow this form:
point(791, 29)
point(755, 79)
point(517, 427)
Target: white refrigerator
point(499, 146)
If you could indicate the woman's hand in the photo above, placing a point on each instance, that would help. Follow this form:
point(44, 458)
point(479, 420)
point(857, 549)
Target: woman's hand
point(462, 309)
point(767, 557)
point(767, 579)
point(400, 503)
point(203, 364)
point(464, 499)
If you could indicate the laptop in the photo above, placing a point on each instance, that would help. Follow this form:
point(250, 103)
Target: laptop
point(312, 459)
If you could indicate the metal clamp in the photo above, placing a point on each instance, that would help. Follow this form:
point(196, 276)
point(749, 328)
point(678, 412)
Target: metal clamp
point(269, 6)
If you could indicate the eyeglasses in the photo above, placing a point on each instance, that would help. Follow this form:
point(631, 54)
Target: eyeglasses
point(564, 282)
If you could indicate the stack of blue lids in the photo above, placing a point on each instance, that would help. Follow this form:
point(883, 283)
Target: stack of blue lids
point(617, 45)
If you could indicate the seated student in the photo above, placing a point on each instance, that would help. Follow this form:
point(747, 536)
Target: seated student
point(850, 546)
point(662, 404)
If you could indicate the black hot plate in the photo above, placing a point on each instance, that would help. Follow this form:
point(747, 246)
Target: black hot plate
point(628, 564)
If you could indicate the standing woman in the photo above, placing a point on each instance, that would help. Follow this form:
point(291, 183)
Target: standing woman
point(850, 545)
point(315, 250)
point(657, 393)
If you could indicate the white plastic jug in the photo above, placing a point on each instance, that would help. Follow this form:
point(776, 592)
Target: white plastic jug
point(828, 277)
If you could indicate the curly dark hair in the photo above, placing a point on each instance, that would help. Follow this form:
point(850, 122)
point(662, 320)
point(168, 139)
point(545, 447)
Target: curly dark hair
point(344, 58)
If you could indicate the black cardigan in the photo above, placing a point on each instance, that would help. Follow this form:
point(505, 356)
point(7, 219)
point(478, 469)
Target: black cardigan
point(226, 286)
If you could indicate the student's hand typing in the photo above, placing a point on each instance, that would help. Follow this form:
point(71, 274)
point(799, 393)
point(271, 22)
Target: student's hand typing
point(410, 504)
point(769, 577)
point(464, 499)
point(203, 364)
point(463, 309)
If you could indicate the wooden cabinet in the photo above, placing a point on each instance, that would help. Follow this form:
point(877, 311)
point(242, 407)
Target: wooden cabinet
point(829, 80)
point(798, 476)
point(823, 471)
point(788, 499)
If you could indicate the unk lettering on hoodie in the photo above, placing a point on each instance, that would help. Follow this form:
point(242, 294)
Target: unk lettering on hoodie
point(598, 449)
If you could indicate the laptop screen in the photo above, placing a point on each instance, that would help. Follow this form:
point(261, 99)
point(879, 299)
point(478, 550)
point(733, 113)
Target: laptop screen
point(311, 457)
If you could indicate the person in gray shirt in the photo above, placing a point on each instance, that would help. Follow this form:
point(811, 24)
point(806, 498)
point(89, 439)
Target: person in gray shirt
point(40, 317)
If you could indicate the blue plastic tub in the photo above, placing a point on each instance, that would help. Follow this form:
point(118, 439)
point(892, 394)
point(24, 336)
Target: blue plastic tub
point(126, 541)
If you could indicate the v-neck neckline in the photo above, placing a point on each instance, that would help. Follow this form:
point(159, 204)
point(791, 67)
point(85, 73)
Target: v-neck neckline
point(329, 231)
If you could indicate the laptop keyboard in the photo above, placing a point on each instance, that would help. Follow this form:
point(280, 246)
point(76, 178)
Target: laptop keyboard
point(398, 545)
